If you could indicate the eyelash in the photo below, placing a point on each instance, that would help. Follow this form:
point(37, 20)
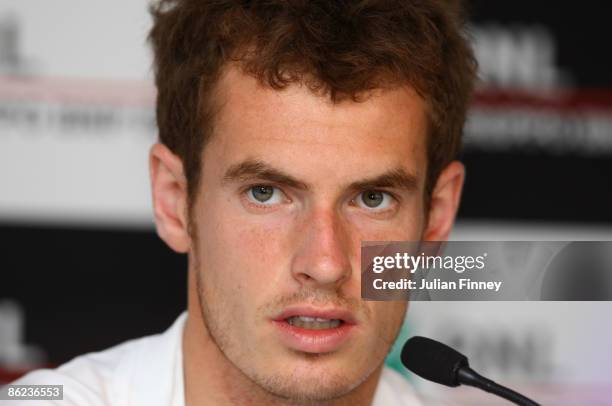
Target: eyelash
point(245, 193)
point(391, 196)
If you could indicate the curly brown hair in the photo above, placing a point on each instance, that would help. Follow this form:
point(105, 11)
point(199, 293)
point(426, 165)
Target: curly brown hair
point(339, 48)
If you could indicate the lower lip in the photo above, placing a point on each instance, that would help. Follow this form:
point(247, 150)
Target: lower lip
point(313, 341)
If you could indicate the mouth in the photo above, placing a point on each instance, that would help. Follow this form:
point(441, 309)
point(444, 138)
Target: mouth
point(315, 331)
point(313, 323)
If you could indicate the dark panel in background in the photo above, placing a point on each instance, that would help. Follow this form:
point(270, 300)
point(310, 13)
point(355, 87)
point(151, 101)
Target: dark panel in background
point(581, 29)
point(85, 290)
point(537, 188)
point(533, 181)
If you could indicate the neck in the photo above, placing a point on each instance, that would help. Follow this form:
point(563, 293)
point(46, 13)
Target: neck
point(211, 379)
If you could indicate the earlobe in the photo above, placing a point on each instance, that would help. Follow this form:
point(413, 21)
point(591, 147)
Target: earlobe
point(169, 192)
point(445, 202)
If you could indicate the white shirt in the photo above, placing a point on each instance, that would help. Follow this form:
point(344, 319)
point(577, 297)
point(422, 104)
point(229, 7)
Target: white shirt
point(149, 372)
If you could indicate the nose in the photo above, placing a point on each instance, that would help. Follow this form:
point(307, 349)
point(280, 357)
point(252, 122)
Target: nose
point(322, 255)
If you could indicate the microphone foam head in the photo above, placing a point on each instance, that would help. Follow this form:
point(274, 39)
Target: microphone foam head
point(433, 360)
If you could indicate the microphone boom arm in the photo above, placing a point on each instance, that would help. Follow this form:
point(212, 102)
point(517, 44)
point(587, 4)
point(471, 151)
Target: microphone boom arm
point(468, 376)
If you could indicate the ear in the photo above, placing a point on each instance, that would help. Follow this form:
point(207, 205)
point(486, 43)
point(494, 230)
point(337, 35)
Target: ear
point(169, 189)
point(445, 202)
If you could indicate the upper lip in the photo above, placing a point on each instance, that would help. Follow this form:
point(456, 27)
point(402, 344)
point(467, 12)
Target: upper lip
point(323, 313)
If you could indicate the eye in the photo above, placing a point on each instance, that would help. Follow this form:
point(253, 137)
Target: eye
point(374, 199)
point(265, 195)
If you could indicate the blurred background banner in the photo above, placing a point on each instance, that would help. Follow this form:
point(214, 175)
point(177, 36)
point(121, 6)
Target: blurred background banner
point(82, 269)
point(76, 113)
point(539, 138)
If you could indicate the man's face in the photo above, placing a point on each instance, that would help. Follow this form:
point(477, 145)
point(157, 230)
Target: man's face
point(291, 185)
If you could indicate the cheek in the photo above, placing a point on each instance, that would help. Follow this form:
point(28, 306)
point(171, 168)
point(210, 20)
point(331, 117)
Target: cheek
point(261, 246)
point(388, 318)
point(241, 250)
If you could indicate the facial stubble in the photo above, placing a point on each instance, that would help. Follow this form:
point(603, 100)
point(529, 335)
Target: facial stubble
point(285, 386)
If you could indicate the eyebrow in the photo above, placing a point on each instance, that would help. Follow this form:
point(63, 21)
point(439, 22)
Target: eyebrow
point(255, 169)
point(395, 178)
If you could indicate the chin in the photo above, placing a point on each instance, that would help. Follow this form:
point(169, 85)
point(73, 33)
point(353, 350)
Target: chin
point(309, 387)
point(313, 378)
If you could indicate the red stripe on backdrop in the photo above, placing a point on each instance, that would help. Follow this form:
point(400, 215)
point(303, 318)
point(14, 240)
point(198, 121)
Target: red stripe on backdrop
point(113, 92)
point(569, 100)
point(141, 93)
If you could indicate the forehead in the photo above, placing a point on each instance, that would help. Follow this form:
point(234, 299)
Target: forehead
point(288, 126)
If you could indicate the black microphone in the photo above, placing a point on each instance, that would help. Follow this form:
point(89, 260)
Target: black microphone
point(442, 364)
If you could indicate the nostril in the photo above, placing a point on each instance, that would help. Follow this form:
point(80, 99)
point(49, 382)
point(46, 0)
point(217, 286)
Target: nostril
point(305, 277)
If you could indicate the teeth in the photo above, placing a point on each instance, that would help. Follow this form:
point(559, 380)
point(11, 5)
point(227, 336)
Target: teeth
point(313, 323)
